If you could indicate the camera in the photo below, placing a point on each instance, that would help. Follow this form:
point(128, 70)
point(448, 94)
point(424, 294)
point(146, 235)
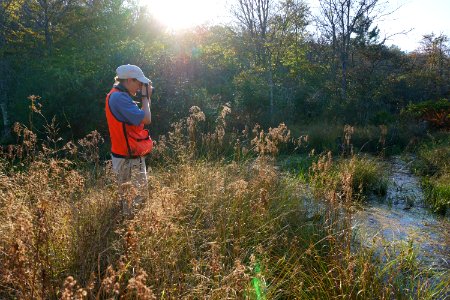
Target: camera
point(153, 88)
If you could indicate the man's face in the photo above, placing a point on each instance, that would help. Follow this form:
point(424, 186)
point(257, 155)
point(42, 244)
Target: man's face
point(134, 85)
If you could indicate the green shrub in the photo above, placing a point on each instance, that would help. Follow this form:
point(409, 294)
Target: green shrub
point(437, 192)
point(434, 158)
point(382, 117)
point(436, 113)
point(433, 164)
point(350, 179)
point(296, 164)
point(369, 177)
point(324, 137)
point(367, 139)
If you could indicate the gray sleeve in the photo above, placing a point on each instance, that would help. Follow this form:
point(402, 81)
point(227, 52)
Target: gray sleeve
point(124, 109)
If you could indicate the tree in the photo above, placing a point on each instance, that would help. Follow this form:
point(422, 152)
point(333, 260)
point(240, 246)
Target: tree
point(7, 11)
point(437, 52)
point(270, 28)
point(253, 16)
point(339, 20)
point(46, 16)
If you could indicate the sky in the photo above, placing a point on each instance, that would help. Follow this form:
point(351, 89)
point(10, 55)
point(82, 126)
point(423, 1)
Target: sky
point(419, 16)
point(182, 14)
point(422, 16)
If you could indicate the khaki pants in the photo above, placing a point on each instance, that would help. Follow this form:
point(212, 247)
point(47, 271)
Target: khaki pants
point(132, 181)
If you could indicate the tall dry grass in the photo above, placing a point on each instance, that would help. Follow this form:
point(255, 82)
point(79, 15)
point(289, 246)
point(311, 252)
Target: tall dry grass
point(433, 164)
point(210, 229)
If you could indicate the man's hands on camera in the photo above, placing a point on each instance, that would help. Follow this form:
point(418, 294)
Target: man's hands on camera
point(144, 91)
point(146, 88)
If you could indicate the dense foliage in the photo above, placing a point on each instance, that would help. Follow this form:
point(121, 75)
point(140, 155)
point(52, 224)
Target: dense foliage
point(66, 52)
point(437, 113)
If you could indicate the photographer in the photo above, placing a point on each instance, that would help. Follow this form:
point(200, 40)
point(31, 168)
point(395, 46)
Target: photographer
point(130, 142)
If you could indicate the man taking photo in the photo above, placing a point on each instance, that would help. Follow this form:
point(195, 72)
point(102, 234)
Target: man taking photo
point(130, 142)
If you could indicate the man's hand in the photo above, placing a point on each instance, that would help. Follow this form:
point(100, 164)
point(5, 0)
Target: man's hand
point(146, 103)
point(146, 89)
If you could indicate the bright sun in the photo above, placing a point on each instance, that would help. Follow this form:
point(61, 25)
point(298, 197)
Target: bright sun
point(182, 14)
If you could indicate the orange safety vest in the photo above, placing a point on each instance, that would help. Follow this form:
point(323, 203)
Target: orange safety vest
point(127, 141)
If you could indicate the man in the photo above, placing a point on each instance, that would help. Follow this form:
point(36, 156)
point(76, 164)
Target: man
point(130, 142)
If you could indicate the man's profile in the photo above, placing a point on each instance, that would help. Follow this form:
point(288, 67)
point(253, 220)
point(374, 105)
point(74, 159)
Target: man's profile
point(130, 142)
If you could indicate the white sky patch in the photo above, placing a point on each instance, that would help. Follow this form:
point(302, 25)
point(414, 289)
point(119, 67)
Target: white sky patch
point(422, 16)
point(183, 14)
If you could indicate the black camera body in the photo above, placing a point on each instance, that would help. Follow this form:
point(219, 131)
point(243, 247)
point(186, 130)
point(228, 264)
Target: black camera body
point(153, 88)
point(139, 94)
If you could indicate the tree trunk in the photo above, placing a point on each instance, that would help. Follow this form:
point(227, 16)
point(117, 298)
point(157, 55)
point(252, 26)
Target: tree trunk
point(344, 77)
point(5, 75)
point(4, 107)
point(271, 93)
point(47, 30)
point(5, 131)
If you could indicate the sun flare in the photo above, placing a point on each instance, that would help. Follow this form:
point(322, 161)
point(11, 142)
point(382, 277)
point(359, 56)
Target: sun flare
point(182, 14)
